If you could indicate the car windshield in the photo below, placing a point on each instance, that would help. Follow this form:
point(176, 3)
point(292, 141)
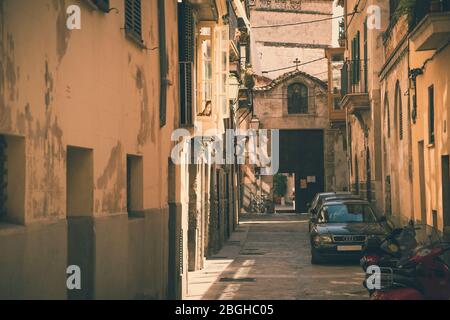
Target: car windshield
point(344, 213)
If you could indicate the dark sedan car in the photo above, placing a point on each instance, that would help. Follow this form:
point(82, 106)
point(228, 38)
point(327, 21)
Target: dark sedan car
point(322, 198)
point(341, 227)
point(319, 197)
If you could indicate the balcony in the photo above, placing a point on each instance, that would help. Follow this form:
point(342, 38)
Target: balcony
point(432, 32)
point(354, 87)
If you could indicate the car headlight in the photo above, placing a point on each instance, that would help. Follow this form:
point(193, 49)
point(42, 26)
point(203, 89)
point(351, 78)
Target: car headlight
point(326, 238)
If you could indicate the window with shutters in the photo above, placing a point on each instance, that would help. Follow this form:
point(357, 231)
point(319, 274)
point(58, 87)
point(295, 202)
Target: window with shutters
point(297, 98)
point(186, 42)
point(133, 20)
point(365, 56)
point(357, 59)
point(163, 62)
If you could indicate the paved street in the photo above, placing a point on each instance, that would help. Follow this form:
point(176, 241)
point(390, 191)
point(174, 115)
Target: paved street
point(268, 257)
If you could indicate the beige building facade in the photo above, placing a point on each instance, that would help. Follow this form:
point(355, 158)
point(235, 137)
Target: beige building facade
point(430, 109)
point(91, 93)
point(86, 148)
point(361, 97)
point(409, 110)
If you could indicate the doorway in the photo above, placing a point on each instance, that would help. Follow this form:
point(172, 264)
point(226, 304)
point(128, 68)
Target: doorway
point(423, 208)
point(446, 190)
point(302, 153)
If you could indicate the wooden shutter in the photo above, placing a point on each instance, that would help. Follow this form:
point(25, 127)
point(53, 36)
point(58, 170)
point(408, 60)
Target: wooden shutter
point(133, 22)
point(358, 58)
point(344, 79)
point(186, 53)
point(163, 62)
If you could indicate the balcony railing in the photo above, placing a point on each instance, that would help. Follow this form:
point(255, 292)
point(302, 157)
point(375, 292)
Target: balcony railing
point(424, 7)
point(415, 11)
point(354, 77)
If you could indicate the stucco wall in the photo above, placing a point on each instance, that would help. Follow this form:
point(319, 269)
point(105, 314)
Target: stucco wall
point(92, 88)
point(433, 75)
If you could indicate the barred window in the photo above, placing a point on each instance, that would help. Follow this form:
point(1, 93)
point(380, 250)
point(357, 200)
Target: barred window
point(297, 98)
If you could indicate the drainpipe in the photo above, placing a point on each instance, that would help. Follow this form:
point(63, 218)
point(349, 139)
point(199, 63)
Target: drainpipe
point(348, 151)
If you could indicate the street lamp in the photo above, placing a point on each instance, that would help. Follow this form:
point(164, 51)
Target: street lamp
point(233, 89)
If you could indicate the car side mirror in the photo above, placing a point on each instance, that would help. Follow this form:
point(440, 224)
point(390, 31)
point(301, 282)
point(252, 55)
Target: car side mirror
point(308, 205)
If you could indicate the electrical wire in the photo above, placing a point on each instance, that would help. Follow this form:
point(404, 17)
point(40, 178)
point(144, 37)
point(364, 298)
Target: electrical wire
point(355, 11)
point(302, 22)
point(294, 66)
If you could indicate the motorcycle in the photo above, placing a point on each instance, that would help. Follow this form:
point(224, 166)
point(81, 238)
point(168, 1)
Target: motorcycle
point(412, 263)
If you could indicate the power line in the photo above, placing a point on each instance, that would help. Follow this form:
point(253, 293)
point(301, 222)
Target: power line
point(355, 10)
point(294, 66)
point(303, 22)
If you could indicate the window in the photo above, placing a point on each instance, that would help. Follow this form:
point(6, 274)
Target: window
point(346, 213)
point(356, 63)
point(399, 109)
point(163, 62)
point(205, 72)
point(134, 184)
point(393, 4)
point(431, 135)
point(186, 54)
point(79, 182)
point(133, 22)
point(337, 103)
point(365, 57)
point(387, 115)
point(102, 5)
point(12, 179)
point(221, 44)
point(434, 218)
point(297, 98)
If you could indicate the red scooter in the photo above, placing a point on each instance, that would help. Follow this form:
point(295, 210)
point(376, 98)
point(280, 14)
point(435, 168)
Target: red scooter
point(413, 262)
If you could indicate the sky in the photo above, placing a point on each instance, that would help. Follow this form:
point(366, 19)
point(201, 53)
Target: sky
point(337, 11)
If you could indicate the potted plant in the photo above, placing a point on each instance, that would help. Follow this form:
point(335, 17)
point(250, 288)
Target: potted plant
point(279, 188)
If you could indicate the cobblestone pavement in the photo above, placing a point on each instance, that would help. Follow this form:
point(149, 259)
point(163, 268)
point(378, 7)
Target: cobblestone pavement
point(268, 257)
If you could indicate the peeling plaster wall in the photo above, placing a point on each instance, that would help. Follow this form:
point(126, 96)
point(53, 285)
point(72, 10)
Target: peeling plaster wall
point(92, 88)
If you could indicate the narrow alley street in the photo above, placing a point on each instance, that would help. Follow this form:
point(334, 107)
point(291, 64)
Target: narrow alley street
point(268, 257)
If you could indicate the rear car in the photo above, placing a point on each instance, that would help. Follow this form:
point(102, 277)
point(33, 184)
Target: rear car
point(341, 227)
point(328, 197)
